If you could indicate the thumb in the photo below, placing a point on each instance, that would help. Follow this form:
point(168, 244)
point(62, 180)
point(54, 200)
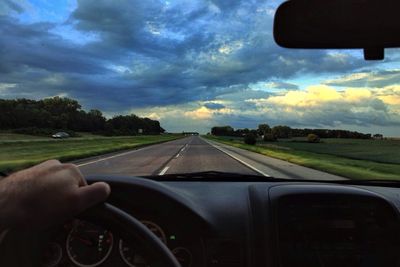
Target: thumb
point(93, 194)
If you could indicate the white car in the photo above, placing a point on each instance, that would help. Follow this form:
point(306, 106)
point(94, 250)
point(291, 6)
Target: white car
point(60, 135)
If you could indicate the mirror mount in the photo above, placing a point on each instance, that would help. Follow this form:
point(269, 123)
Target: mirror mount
point(374, 53)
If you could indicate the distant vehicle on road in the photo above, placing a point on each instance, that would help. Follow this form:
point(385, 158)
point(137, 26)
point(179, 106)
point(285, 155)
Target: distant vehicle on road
point(60, 135)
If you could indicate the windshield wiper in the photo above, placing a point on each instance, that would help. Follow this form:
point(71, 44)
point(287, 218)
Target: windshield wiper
point(391, 183)
point(215, 176)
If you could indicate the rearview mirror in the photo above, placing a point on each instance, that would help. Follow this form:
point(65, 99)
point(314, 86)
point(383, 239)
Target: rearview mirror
point(371, 25)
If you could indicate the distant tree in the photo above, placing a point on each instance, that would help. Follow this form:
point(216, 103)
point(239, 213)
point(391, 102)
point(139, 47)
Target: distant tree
point(131, 125)
point(269, 137)
point(241, 132)
point(250, 139)
point(67, 114)
point(281, 131)
point(93, 121)
point(263, 129)
point(313, 138)
point(222, 131)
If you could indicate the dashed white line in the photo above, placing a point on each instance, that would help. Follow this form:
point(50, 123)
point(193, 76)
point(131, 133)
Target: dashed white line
point(180, 151)
point(164, 171)
point(236, 158)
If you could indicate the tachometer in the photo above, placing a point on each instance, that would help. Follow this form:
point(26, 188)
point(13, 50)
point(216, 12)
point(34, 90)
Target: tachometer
point(52, 255)
point(157, 230)
point(88, 245)
point(184, 256)
point(130, 255)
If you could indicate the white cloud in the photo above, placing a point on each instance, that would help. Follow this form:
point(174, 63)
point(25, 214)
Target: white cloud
point(325, 106)
point(6, 86)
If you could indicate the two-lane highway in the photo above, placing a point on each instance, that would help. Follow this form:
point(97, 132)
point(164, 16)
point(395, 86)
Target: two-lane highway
point(191, 154)
point(195, 154)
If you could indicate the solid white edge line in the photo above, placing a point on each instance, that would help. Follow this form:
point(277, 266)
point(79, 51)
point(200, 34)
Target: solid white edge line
point(164, 171)
point(236, 158)
point(111, 157)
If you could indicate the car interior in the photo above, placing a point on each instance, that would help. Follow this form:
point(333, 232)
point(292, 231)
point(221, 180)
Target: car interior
point(232, 220)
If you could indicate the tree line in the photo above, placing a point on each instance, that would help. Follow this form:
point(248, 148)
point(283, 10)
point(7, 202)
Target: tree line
point(283, 131)
point(59, 113)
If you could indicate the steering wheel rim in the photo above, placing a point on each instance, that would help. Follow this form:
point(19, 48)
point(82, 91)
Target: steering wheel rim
point(123, 224)
point(26, 248)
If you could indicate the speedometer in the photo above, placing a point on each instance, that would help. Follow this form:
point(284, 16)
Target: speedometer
point(88, 245)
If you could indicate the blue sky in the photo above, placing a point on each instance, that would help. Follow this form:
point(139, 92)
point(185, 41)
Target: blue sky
point(191, 65)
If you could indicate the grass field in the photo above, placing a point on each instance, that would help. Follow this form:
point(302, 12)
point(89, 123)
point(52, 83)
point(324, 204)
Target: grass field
point(20, 151)
point(355, 159)
point(384, 151)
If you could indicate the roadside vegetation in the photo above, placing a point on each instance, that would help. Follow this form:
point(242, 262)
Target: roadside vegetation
point(21, 151)
point(365, 157)
point(26, 127)
point(48, 116)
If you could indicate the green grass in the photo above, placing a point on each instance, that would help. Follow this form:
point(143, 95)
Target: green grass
point(384, 151)
point(354, 159)
point(17, 152)
point(6, 136)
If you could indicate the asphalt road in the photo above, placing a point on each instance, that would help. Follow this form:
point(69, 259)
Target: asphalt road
point(194, 154)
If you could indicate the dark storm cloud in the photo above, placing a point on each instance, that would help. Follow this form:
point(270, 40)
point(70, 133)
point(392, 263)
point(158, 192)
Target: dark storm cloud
point(149, 53)
point(190, 30)
point(8, 4)
point(34, 47)
point(379, 78)
point(214, 106)
point(283, 85)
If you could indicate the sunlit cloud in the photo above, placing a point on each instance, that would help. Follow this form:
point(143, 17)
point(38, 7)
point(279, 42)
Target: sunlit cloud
point(390, 95)
point(204, 113)
point(6, 86)
point(313, 96)
point(200, 113)
point(231, 47)
point(327, 107)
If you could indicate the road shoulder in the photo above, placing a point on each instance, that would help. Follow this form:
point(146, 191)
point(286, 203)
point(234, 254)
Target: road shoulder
point(271, 166)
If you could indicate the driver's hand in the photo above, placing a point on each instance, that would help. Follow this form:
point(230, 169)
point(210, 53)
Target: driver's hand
point(46, 194)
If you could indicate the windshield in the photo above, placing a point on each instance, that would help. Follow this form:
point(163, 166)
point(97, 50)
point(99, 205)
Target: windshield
point(151, 88)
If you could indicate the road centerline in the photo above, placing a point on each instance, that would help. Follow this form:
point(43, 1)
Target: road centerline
point(164, 171)
point(176, 156)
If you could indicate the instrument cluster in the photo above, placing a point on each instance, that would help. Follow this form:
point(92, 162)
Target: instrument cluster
point(84, 244)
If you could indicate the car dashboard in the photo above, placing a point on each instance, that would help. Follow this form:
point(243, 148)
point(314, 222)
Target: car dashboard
point(248, 223)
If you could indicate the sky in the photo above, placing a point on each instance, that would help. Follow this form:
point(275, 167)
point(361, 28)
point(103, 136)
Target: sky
point(191, 64)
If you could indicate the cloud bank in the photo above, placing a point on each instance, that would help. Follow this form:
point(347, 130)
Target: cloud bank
point(194, 59)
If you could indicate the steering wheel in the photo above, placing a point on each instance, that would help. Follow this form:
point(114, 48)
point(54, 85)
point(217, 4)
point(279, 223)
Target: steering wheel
point(106, 215)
